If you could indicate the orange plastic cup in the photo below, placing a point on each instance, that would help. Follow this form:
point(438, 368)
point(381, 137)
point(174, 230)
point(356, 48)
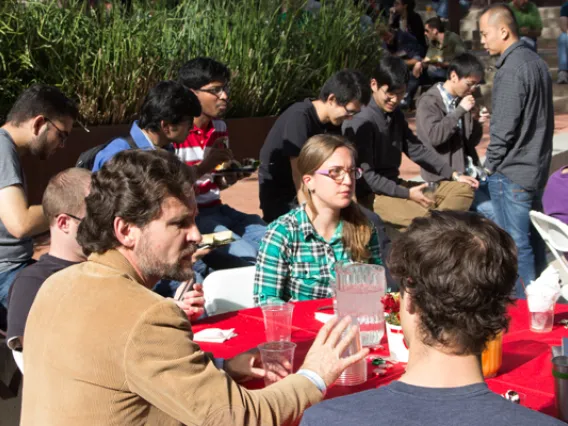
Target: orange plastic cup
point(492, 357)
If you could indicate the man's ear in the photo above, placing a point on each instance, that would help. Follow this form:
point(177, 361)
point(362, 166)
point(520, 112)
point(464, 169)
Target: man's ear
point(126, 233)
point(166, 127)
point(62, 222)
point(331, 99)
point(504, 32)
point(374, 85)
point(37, 123)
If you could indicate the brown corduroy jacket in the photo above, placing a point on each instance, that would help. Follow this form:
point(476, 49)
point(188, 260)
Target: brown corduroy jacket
point(102, 349)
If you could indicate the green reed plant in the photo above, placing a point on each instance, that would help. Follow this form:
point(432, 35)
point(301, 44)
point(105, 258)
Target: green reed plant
point(108, 59)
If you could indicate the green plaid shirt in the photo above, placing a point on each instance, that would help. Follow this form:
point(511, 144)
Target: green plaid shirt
point(295, 262)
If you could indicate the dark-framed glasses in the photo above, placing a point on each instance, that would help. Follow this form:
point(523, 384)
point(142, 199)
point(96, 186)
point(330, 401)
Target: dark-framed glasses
point(349, 112)
point(338, 173)
point(217, 90)
point(78, 219)
point(391, 96)
point(61, 134)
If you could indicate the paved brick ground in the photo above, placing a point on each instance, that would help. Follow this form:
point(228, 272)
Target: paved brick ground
point(244, 195)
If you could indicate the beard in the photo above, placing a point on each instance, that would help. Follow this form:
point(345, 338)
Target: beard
point(40, 147)
point(152, 264)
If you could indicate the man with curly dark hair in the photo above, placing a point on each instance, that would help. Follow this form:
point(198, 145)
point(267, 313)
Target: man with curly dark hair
point(457, 273)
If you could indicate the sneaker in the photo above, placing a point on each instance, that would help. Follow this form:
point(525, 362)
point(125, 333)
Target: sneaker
point(562, 77)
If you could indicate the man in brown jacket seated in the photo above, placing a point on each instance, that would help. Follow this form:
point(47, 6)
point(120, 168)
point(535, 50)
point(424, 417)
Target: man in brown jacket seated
point(449, 121)
point(103, 349)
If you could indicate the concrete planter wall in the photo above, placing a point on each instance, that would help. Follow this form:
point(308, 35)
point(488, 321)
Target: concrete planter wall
point(246, 138)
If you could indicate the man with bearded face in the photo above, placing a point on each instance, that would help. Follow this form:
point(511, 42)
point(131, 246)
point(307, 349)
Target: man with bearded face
point(38, 124)
point(117, 353)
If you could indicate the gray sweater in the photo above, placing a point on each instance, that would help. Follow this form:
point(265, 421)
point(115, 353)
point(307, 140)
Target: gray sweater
point(522, 121)
point(439, 130)
point(380, 139)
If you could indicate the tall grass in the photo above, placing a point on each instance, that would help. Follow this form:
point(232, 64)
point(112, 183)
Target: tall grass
point(108, 60)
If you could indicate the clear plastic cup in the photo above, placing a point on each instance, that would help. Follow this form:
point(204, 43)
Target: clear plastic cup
point(356, 373)
point(430, 190)
point(278, 321)
point(541, 312)
point(276, 357)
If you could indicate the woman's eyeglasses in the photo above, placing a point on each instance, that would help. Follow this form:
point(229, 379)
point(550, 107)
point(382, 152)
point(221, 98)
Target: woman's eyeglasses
point(338, 173)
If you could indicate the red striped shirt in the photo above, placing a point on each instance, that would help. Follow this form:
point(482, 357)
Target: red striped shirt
point(191, 152)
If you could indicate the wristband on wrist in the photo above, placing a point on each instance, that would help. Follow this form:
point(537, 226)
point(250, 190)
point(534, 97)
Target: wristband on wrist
point(314, 378)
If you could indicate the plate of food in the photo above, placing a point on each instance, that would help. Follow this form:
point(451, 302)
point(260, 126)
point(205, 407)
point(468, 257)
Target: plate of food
point(216, 239)
point(248, 165)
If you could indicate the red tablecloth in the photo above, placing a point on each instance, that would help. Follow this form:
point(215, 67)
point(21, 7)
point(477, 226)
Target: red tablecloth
point(526, 355)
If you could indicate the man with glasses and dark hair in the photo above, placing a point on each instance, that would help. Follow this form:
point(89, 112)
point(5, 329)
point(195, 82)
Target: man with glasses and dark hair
point(38, 124)
point(381, 135)
point(449, 121)
point(208, 142)
point(340, 98)
point(64, 206)
point(166, 116)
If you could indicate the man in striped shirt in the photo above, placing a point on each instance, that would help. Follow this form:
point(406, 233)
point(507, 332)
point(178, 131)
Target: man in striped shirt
point(208, 138)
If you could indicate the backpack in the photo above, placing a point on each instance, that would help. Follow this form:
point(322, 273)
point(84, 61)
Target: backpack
point(87, 159)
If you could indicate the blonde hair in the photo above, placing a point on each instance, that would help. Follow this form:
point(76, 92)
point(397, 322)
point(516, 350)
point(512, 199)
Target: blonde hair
point(66, 192)
point(356, 227)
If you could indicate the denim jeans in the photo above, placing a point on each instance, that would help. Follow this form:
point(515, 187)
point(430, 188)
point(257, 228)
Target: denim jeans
point(563, 52)
point(482, 202)
point(248, 230)
point(512, 204)
point(7, 278)
point(441, 7)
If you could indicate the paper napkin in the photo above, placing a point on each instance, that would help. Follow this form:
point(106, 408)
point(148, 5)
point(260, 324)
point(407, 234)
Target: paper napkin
point(323, 317)
point(214, 335)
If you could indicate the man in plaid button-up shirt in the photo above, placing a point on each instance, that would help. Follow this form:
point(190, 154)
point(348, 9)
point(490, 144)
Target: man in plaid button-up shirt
point(296, 263)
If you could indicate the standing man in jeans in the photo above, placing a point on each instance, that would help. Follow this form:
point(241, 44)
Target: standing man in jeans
point(209, 80)
point(522, 124)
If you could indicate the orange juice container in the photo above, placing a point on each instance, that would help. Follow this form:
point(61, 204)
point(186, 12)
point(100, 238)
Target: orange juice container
point(492, 357)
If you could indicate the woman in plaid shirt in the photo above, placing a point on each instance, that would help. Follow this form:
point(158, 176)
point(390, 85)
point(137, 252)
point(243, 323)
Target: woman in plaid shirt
point(299, 251)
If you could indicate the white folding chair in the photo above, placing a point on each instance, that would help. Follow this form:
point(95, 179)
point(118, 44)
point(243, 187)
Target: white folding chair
point(554, 233)
point(19, 358)
point(229, 290)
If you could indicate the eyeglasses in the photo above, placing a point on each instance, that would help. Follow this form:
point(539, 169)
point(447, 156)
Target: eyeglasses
point(62, 134)
point(217, 90)
point(471, 84)
point(338, 173)
point(391, 96)
point(79, 219)
point(349, 112)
